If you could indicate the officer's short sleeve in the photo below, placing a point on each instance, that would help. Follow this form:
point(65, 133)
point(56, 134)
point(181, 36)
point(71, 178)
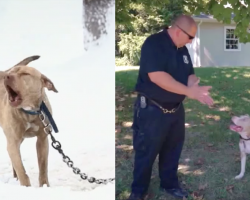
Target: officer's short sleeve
point(191, 71)
point(152, 58)
point(191, 67)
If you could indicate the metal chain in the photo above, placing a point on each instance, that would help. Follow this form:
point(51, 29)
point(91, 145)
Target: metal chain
point(56, 145)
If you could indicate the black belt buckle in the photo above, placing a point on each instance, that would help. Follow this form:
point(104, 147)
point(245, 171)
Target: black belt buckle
point(143, 102)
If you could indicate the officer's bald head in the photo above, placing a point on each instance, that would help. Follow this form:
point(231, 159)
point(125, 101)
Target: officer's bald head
point(183, 30)
point(185, 22)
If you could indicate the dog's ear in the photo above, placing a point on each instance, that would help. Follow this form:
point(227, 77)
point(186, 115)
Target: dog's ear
point(25, 61)
point(48, 83)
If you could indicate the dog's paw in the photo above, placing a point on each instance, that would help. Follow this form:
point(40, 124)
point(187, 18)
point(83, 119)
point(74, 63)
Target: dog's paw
point(238, 177)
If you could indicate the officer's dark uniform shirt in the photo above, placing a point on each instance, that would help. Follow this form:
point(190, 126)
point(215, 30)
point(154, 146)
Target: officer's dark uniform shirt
point(159, 53)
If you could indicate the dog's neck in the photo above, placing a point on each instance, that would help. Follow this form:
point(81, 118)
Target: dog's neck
point(33, 109)
point(244, 136)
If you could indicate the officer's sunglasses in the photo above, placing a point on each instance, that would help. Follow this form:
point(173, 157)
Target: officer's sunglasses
point(189, 36)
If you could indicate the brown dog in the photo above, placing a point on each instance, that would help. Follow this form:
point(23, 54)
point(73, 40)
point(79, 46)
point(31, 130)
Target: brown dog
point(23, 87)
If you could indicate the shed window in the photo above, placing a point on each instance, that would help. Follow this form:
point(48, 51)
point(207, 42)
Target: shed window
point(231, 41)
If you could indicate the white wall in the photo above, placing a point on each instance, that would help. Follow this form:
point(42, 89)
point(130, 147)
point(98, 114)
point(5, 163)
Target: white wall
point(212, 48)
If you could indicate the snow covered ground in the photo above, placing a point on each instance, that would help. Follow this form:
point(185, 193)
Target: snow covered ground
point(84, 107)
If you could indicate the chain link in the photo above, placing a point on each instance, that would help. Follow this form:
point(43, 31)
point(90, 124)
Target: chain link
point(57, 145)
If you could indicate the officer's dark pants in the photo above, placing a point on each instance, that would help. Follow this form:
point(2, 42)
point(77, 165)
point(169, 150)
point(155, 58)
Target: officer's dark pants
point(157, 133)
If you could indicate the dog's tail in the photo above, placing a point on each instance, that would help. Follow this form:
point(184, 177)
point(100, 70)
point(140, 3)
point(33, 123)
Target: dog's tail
point(25, 61)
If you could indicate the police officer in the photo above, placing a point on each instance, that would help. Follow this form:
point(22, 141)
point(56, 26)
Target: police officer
point(166, 76)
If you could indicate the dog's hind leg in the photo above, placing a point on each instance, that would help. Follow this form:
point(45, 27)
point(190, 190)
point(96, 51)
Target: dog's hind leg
point(42, 147)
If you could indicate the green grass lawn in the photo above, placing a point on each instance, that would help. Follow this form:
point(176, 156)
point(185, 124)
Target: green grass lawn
point(210, 159)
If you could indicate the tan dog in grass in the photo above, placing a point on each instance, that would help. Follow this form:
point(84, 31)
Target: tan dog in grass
point(241, 125)
point(24, 87)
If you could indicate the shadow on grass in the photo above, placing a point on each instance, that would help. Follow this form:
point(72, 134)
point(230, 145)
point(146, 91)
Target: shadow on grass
point(210, 158)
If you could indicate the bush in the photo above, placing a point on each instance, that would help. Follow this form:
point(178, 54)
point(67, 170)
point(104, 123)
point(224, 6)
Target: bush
point(130, 47)
point(122, 61)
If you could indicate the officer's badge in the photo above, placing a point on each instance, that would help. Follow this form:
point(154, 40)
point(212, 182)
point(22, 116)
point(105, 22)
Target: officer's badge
point(185, 59)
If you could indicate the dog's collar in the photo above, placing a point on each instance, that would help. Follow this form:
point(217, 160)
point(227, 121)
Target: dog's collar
point(43, 108)
point(32, 112)
point(244, 138)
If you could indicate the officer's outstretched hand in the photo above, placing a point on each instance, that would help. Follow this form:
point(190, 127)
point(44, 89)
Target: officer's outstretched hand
point(200, 93)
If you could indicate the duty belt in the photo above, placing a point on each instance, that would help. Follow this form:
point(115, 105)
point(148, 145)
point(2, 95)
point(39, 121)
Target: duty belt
point(143, 104)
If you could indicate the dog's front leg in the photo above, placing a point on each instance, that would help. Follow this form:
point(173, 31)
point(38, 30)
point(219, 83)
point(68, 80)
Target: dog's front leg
point(243, 165)
point(14, 172)
point(13, 148)
point(42, 147)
